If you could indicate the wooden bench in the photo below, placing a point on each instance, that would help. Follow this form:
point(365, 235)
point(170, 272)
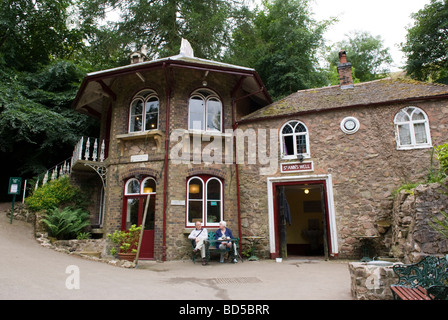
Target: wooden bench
point(210, 246)
point(425, 280)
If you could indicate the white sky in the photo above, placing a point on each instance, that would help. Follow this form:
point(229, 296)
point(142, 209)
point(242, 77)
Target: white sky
point(385, 18)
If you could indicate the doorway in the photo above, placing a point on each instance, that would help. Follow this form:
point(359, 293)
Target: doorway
point(135, 197)
point(301, 219)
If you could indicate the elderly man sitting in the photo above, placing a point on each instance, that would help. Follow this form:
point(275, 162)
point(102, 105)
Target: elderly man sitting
point(198, 235)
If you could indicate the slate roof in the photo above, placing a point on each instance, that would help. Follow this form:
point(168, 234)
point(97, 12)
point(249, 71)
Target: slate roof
point(362, 94)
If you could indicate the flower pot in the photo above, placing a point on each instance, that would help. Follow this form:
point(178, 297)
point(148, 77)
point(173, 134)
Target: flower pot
point(127, 256)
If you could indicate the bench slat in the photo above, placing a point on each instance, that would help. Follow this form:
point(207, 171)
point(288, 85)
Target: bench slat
point(405, 293)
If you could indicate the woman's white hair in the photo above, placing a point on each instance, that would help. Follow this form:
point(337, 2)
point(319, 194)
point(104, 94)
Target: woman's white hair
point(223, 223)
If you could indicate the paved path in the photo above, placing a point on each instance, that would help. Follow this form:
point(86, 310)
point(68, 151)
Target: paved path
point(30, 271)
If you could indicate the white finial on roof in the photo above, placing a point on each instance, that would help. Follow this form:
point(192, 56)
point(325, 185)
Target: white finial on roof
point(185, 49)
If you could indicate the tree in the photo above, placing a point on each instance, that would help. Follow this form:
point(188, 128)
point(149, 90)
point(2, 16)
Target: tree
point(161, 24)
point(34, 32)
point(369, 59)
point(426, 45)
point(38, 127)
point(281, 41)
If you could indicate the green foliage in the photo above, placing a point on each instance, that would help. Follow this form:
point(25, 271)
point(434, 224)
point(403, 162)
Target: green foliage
point(33, 32)
point(66, 223)
point(83, 235)
point(127, 240)
point(369, 59)
point(440, 224)
point(426, 43)
point(53, 194)
point(436, 174)
point(281, 41)
point(407, 187)
point(441, 152)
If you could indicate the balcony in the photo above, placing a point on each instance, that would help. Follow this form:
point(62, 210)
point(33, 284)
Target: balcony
point(88, 151)
point(88, 155)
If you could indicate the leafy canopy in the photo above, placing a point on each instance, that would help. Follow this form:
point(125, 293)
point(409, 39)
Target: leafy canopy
point(426, 45)
point(369, 59)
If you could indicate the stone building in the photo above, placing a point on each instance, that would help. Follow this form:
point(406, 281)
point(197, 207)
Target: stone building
point(311, 174)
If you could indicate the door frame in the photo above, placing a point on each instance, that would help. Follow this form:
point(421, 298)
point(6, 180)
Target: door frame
point(326, 180)
point(148, 234)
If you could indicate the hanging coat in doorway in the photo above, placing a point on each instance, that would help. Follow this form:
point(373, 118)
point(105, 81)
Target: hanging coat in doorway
point(285, 206)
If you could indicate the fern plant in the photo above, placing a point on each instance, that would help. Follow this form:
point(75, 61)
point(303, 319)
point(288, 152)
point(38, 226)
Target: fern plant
point(66, 223)
point(440, 225)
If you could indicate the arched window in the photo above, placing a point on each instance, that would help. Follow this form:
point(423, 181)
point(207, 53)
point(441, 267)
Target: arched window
point(144, 112)
point(412, 129)
point(204, 200)
point(205, 111)
point(294, 140)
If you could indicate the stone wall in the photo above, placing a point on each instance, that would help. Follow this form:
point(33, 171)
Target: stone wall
point(370, 282)
point(412, 236)
point(366, 168)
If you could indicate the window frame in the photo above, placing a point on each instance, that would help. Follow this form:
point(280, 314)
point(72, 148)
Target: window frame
point(294, 134)
point(205, 179)
point(141, 195)
point(411, 124)
point(206, 95)
point(145, 96)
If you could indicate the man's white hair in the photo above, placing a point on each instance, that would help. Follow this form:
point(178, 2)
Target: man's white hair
point(223, 223)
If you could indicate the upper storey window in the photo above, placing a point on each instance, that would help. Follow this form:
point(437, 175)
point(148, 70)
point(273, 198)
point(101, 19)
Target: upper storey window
point(412, 129)
point(294, 140)
point(205, 111)
point(144, 112)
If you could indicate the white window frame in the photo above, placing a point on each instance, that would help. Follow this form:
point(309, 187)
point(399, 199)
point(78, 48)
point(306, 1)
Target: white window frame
point(411, 123)
point(144, 95)
point(305, 155)
point(210, 95)
point(127, 185)
point(142, 186)
point(213, 224)
point(204, 201)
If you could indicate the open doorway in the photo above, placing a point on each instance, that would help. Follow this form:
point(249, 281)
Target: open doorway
point(302, 219)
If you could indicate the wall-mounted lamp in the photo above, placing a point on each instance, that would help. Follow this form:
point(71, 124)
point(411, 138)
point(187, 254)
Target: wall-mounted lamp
point(306, 191)
point(193, 188)
point(147, 190)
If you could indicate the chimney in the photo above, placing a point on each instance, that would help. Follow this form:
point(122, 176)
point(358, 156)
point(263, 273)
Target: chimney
point(344, 71)
point(139, 56)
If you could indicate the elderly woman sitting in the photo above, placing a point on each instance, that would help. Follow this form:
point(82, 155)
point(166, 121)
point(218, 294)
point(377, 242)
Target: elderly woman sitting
point(224, 233)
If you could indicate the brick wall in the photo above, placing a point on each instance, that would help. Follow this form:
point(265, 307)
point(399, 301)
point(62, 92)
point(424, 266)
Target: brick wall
point(121, 168)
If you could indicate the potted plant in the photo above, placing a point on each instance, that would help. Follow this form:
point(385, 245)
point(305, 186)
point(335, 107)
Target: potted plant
point(127, 241)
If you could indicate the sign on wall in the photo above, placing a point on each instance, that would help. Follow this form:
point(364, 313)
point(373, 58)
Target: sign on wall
point(296, 167)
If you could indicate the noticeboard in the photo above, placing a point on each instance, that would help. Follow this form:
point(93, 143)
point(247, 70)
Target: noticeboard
point(14, 185)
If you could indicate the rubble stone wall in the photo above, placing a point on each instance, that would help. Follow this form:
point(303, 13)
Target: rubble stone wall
point(412, 236)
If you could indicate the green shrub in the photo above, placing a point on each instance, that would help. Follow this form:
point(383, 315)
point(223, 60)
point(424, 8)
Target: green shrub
point(67, 223)
point(440, 225)
point(127, 240)
point(53, 194)
point(442, 155)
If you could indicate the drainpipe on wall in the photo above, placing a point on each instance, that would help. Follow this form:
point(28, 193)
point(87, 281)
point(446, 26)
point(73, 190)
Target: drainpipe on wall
point(235, 126)
point(165, 174)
